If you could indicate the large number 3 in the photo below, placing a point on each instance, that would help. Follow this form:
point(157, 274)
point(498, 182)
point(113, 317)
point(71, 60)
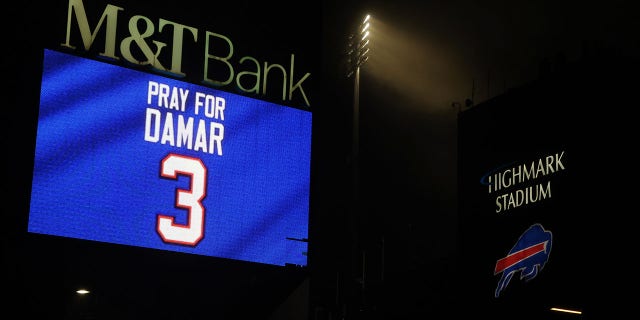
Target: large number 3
point(191, 200)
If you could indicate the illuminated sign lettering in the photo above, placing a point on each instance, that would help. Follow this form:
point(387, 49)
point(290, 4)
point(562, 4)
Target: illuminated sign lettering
point(140, 47)
point(512, 174)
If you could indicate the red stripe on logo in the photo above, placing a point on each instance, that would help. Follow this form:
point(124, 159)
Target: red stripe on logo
point(518, 256)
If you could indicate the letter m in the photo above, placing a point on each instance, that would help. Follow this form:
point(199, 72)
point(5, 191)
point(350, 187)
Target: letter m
point(110, 14)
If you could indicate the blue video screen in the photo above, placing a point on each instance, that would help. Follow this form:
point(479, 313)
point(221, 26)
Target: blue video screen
point(137, 159)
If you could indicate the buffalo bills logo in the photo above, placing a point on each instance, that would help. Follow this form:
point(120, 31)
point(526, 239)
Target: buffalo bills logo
point(528, 256)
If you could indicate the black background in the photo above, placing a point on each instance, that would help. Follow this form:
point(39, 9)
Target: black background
point(549, 116)
point(433, 57)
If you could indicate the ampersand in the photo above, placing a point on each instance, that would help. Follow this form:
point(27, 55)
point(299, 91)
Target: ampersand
point(139, 39)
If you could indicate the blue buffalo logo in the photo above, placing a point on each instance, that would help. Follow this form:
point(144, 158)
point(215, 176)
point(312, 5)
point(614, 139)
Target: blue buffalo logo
point(528, 256)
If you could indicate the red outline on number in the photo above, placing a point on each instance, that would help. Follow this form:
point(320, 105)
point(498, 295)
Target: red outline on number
point(178, 205)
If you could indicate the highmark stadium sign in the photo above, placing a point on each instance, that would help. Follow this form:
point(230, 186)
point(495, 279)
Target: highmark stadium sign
point(135, 158)
point(504, 180)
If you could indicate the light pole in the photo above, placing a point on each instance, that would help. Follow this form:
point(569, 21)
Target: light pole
point(357, 55)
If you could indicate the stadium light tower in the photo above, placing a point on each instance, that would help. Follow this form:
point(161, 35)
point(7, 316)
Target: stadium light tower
point(357, 54)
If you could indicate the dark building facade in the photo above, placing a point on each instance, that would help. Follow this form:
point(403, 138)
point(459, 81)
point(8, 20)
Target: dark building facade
point(543, 171)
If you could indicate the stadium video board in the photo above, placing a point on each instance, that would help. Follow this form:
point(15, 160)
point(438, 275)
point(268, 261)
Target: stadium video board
point(133, 158)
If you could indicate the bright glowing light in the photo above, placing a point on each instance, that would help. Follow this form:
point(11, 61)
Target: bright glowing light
point(358, 50)
point(366, 26)
point(566, 310)
point(366, 34)
point(82, 291)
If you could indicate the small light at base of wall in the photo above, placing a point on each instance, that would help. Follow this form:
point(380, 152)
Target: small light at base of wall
point(566, 310)
point(82, 291)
